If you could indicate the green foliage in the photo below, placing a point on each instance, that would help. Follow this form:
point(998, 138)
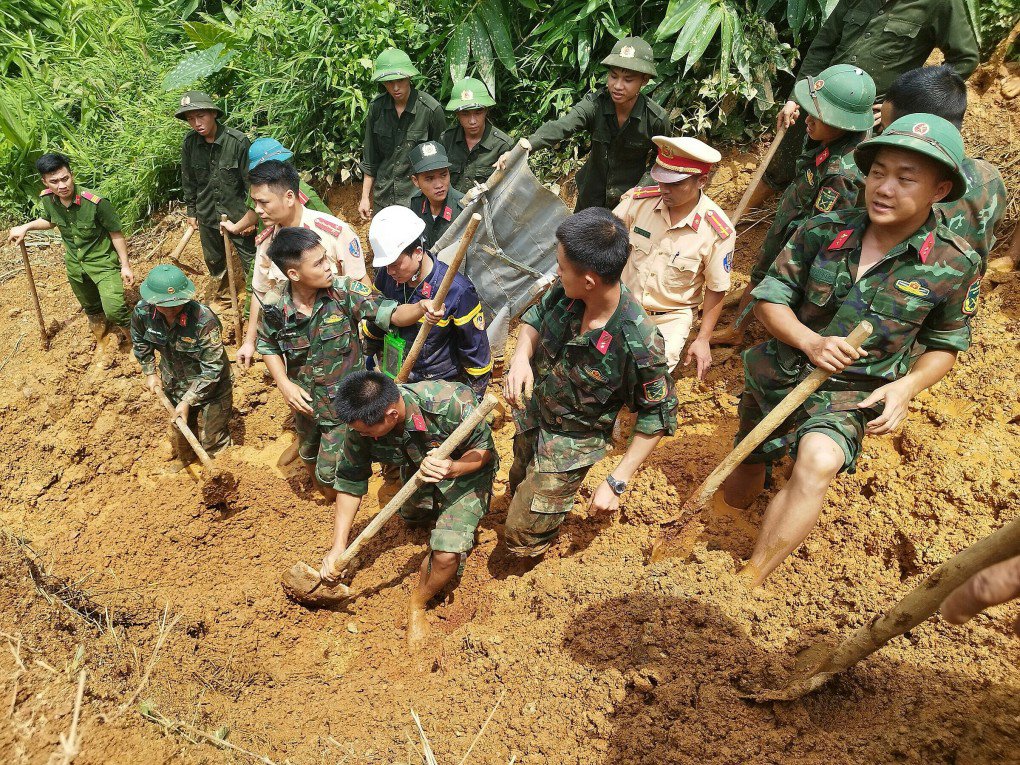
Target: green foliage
point(996, 19)
point(197, 66)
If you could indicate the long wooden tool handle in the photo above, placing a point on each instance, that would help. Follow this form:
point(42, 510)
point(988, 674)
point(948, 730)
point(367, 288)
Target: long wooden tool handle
point(43, 336)
point(770, 422)
point(440, 296)
point(228, 246)
point(184, 242)
point(182, 426)
point(756, 178)
point(454, 440)
point(522, 147)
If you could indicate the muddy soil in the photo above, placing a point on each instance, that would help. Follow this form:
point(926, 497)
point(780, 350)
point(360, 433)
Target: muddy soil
point(592, 655)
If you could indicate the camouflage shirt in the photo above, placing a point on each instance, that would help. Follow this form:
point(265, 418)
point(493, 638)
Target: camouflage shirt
point(214, 176)
point(85, 226)
point(924, 290)
point(582, 380)
point(974, 216)
point(322, 348)
point(470, 165)
point(826, 180)
point(434, 409)
point(193, 365)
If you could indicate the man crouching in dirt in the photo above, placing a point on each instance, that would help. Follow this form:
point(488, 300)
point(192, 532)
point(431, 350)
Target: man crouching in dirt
point(893, 263)
point(587, 350)
point(193, 367)
point(402, 425)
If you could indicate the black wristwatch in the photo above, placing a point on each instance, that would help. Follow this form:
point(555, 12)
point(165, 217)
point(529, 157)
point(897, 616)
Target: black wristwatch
point(618, 487)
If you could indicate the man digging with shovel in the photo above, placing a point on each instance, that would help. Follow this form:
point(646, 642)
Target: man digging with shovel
point(404, 425)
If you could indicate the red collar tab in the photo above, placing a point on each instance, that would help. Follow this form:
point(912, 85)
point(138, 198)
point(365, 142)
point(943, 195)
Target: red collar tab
point(602, 345)
point(822, 156)
point(77, 199)
point(840, 241)
point(696, 221)
point(447, 214)
point(419, 421)
point(926, 247)
point(183, 319)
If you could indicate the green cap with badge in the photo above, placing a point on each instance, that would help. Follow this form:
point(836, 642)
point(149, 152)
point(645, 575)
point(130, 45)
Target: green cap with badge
point(430, 155)
point(167, 286)
point(632, 53)
point(840, 96)
point(469, 93)
point(196, 101)
point(393, 64)
point(926, 134)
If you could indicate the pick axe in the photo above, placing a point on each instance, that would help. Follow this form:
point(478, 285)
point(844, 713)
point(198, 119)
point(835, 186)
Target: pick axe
point(303, 584)
point(222, 480)
point(694, 504)
point(43, 334)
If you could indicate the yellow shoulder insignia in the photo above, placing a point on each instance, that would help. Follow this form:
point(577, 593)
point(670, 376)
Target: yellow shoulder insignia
point(722, 229)
point(646, 192)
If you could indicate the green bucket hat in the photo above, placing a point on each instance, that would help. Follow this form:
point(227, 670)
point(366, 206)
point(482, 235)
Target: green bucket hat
point(926, 134)
point(840, 96)
point(469, 93)
point(430, 155)
point(196, 101)
point(393, 64)
point(167, 286)
point(632, 53)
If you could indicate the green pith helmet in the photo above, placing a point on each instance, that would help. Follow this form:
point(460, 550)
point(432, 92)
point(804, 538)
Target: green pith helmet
point(926, 134)
point(840, 96)
point(393, 64)
point(430, 155)
point(469, 93)
point(167, 286)
point(632, 53)
point(196, 101)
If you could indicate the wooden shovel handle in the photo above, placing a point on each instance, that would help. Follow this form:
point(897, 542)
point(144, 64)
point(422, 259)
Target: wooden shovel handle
point(454, 440)
point(189, 231)
point(228, 247)
point(769, 423)
point(440, 296)
point(43, 335)
point(756, 178)
point(189, 436)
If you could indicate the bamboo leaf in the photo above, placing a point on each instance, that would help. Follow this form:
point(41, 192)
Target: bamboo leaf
point(705, 33)
point(481, 52)
point(677, 13)
point(496, 24)
point(729, 21)
point(458, 50)
point(584, 45)
point(692, 26)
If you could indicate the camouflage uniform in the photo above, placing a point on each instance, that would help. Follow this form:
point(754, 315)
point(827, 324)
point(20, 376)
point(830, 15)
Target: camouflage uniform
point(826, 180)
point(193, 367)
point(434, 410)
point(925, 290)
point(582, 380)
point(319, 351)
point(974, 216)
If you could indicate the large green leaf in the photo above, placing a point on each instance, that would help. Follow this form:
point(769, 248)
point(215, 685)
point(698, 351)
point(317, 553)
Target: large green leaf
point(729, 21)
point(677, 14)
point(208, 34)
point(497, 24)
point(197, 66)
point(705, 33)
point(796, 12)
point(481, 52)
point(458, 51)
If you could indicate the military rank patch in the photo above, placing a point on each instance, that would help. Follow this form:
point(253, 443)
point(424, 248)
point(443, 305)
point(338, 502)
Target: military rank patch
point(727, 262)
point(302, 197)
point(914, 288)
point(426, 290)
point(655, 390)
point(447, 214)
point(479, 321)
point(647, 192)
point(419, 422)
point(926, 247)
point(264, 235)
point(595, 374)
point(841, 238)
point(360, 288)
point(328, 226)
point(645, 234)
point(93, 198)
point(970, 303)
point(827, 198)
point(822, 156)
point(721, 227)
point(603, 343)
point(354, 248)
point(696, 221)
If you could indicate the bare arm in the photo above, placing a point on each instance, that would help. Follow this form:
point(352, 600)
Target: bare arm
point(520, 379)
point(347, 506)
point(120, 245)
point(605, 500)
point(700, 350)
point(18, 232)
point(831, 354)
point(931, 367)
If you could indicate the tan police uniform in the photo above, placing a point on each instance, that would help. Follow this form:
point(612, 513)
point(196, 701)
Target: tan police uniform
point(672, 263)
point(343, 251)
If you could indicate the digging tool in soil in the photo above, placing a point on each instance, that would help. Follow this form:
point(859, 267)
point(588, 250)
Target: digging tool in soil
point(218, 483)
point(756, 178)
point(444, 287)
point(303, 584)
point(822, 662)
point(44, 337)
point(694, 504)
point(232, 281)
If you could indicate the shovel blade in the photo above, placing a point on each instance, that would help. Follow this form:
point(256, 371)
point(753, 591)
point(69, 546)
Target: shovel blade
point(302, 584)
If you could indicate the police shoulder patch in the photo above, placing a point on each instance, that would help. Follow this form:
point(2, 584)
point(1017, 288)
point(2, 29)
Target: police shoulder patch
point(354, 248)
point(826, 199)
point(722, 229)
point(331, 228)
point(479, 321)
point(655, 390)
point(264, 235)
point(646, 192)
point(727, 261)
point(45, 192)
point(93, 198)
point(970, 302)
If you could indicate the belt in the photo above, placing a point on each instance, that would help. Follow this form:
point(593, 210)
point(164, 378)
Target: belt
point(663, 313)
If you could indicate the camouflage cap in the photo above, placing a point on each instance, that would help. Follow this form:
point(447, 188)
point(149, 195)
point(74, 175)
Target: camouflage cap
point(926, 134)
point(840, 96)
point(167, 286)
point(430, 155)
point(632, 53)
point(393, 64)
point(196, 101)
point(469, 93)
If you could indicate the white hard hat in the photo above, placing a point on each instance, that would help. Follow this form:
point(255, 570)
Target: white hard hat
point(393, 229)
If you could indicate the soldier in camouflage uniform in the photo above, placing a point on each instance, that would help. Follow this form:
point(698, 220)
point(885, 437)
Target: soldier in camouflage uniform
point(941, 91)
point(838, 105)
point(474, 145)
point(402, 425)
point(894, 264)
point(622, 121)
point(587, 350)
point(193, 367)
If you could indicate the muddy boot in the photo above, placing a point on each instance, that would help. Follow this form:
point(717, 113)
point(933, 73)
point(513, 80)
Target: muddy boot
point(122, 337)
point(97, 323)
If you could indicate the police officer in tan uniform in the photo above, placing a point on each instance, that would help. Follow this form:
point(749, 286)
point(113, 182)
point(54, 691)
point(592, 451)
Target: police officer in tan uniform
point(681, 242)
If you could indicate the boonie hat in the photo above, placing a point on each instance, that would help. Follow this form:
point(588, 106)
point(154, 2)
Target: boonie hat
point(196, 101)
point(167, 286)
point(430, 155)
point(840, 96)
point(680, 158)
point(632, 53)
point(469, 93)
point(393, 64)
point(393, 230)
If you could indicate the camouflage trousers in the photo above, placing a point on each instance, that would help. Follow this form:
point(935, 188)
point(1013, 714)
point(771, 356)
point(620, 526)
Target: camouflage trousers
point(209, 421)
point(99, 290)
point(455, 507)
point(541, 500)
point(319, 445)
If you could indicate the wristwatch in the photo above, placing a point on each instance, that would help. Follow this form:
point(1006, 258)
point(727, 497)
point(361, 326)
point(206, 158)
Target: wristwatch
point(618, 487)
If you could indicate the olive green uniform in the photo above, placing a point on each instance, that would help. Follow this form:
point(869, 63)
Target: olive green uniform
point(389, 139)
point(434, 409)
point(214, 181)
point(93, 267)
point(470, 166)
